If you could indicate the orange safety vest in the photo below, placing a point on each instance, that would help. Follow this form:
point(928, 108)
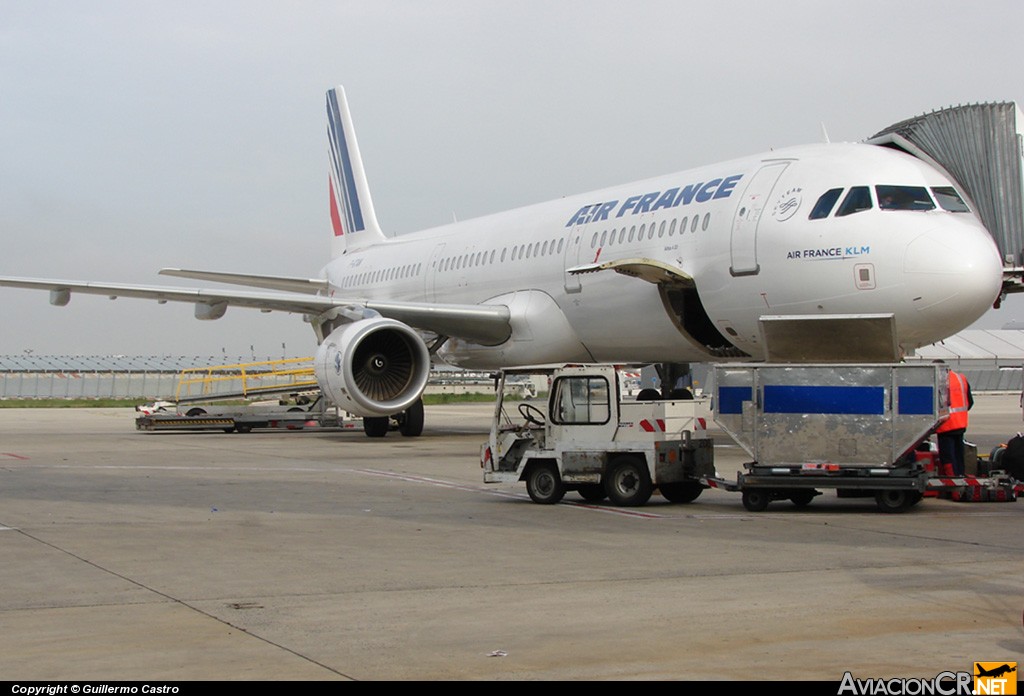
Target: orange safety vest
point(957, 404)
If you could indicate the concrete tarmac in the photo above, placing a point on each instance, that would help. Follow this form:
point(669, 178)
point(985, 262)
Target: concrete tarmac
point(329, 556)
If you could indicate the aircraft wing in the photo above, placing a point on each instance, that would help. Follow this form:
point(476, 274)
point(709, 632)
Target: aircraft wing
point(486, 324)
point(286, 283)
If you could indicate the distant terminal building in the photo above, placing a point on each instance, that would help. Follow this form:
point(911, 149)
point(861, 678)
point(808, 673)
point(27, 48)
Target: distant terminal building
point(992, 360)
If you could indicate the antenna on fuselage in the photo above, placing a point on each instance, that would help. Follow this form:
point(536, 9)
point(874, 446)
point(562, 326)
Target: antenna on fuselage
point(824, 133)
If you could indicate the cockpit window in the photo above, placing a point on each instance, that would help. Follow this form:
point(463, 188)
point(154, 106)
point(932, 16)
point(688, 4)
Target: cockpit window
point(825, 204)
point(949, 199)
point(904, 198)
point(858, 199)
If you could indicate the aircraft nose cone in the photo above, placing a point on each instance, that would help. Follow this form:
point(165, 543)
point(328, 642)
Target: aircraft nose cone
point(954, 276)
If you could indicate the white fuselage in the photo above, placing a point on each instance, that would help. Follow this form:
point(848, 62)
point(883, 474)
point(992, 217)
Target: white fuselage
point(741, 230)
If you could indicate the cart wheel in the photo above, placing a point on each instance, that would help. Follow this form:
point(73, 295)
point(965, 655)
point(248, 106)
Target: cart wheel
point(543, 484)
point(592, 492)
point(243, 428)
point(628, 482)
point(756, 500)
point(896, 501)
point(193, 412)
point(802, 498)
point(681, 492)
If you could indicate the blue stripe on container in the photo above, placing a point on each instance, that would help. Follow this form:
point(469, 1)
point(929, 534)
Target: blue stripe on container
point(916, 401)
point(839, 400)
point(730, 399)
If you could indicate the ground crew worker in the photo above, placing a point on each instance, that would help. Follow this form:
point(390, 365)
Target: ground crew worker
point(951, 431)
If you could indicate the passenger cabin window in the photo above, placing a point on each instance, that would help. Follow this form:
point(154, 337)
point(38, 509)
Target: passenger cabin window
point(858, 199)
point(581, 400)
point(949, 199)
point(825, 204)
point(904, 198)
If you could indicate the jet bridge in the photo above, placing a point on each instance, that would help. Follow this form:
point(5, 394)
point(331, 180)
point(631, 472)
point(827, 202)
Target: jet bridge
point(980, 147)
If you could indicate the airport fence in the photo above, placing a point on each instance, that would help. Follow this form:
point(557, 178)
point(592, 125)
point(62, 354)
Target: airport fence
point(159, 384)
point(209, 382)
point(87, 385)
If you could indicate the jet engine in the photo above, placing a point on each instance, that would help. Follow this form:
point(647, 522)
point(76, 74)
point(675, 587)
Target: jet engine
point(372, 367)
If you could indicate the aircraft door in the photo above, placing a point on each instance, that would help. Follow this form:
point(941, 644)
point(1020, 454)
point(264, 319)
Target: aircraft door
point(755, 198)
point(573, 244)
point(433, 269)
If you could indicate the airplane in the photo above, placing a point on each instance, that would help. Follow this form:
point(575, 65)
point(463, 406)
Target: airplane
point(687, 267)
point(996, 672)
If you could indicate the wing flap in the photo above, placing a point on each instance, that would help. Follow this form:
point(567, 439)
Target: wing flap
point(487, 325)
point(286, 283)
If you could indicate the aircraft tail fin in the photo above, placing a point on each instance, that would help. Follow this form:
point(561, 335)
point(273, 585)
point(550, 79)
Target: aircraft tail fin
point(352, 216)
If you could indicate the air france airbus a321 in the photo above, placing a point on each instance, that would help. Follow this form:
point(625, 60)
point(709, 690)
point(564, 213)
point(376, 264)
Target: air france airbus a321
point(675, 269)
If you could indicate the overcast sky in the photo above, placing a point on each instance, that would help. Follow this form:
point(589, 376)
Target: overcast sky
point(136, 135)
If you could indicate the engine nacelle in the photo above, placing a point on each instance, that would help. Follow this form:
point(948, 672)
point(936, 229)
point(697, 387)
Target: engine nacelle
point(372, 367)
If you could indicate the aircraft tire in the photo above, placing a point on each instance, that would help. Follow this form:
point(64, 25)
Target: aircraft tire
point(411, 422)
point(376, 427)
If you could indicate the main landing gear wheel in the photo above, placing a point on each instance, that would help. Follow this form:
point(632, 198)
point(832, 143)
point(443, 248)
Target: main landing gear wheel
point(410, 422)
point(531, 413)
point(544, 485)
point(376, 426)
point(681, 492)
point(628, 482)
point(756, 500)
point(897, 501)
